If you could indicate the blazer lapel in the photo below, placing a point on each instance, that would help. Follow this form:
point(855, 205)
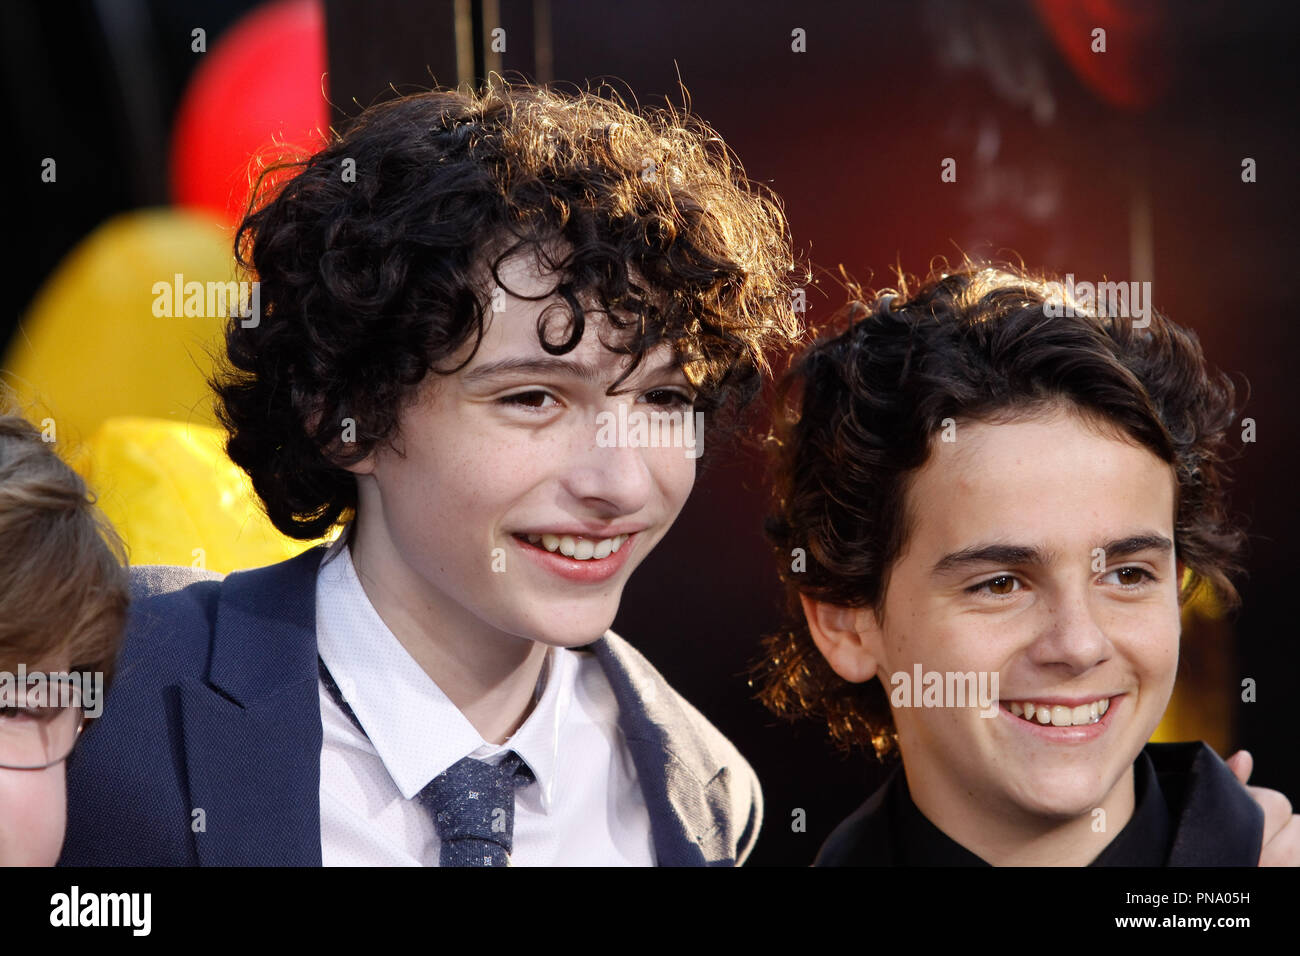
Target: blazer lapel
point(1216, 821)
point(252, 732)
point(684, 784)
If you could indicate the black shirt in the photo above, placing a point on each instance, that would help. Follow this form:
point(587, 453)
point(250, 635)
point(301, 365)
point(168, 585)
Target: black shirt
point(1189, 810)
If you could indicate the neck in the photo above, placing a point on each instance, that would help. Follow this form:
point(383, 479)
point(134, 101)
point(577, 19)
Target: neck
point(490, 676)
point(1004, 835)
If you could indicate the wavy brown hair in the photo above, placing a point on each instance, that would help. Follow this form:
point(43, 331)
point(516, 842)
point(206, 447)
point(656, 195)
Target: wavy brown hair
point(858, 412)
point(373, 259)
point(64, 590)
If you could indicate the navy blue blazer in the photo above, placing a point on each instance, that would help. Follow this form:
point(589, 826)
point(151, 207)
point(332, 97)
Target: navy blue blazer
point(208, 749)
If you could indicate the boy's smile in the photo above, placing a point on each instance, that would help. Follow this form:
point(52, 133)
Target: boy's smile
point(1041, 551)
point(578, 557)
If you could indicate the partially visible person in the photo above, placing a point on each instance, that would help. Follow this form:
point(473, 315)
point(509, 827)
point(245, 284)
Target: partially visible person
point(63, 607)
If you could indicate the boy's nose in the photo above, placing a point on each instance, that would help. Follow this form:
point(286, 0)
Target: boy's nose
point(617, 475)
point(1072, 635)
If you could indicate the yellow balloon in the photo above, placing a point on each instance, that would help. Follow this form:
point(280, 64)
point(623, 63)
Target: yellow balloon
point(175, 498)
point(113, 356)
point(92, 345)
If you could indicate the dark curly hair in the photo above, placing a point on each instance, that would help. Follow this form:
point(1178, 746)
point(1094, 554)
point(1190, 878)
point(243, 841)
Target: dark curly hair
point(373, 259)
point(857, 414)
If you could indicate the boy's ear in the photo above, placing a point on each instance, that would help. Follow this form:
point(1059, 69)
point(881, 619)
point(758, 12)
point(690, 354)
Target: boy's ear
point(848, 637)
point(363, 467)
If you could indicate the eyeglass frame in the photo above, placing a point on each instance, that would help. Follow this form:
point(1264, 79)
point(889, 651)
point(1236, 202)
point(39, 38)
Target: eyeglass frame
point(81, 725)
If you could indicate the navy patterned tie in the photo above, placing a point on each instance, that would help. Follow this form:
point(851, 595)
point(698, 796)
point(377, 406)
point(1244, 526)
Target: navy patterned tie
point(473, 807)
point(472, 801)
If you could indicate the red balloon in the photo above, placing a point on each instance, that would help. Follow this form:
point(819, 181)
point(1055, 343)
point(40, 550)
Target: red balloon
point(257, 94)
point(1137, 67)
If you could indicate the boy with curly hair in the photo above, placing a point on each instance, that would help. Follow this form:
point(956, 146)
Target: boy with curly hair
point(1002, 505)
point(458, 296)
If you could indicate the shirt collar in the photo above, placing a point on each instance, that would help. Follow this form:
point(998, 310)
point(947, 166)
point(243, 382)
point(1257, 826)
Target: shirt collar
point(1146, 839)
point(1143, 841)
point(338, 544)
point(414, 727)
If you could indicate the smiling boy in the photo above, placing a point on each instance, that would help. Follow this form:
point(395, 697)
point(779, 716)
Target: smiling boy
point(984, 488)
point(455, 294)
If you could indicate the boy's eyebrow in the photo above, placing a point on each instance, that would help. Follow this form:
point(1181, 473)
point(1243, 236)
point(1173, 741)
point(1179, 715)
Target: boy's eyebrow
point(548, 364)
point(1146, 541)
point(1007, 554)
point(1013, 554)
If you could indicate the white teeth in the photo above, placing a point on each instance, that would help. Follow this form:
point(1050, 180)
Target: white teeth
point(580, 549)
point(1059, 715)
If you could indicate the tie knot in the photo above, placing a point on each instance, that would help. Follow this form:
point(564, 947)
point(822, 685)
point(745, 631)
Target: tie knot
point(473, 808)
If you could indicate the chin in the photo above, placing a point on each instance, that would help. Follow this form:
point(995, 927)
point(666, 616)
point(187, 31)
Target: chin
point(1067, 793)
point(567, 630)
point(567, 639)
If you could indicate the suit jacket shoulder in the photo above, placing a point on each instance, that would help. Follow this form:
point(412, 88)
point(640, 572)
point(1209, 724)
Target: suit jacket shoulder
point(208, 749)
point(703, 796)
point(171, 615)
point(130, 758)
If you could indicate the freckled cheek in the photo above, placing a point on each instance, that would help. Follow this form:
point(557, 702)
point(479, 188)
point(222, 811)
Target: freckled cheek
point(981, 649)
point(916, 633)
point(469, 480)
point(674, 473)
point(1153, 640)
point(1163, 655)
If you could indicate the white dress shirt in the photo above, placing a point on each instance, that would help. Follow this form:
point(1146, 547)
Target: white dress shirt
point(585, 808)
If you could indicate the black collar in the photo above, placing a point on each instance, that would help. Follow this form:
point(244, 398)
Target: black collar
point(1189, 810)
